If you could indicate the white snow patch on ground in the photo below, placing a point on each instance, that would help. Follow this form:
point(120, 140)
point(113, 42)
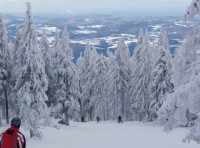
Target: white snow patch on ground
point(109, 135)
point(183, 24)
point(85, 31)
point(128, 35)
point(129, 42)
point(12, 25)
point(78, 42)
point(111, 40)
point(96, 26)
point(92, 26)
point(50, 28)
point(81, 27)
point(113, 46)
point(84, 42)
point(155, 27)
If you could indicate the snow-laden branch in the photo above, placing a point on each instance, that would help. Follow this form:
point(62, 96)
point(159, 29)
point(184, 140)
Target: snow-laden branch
point(192, 10)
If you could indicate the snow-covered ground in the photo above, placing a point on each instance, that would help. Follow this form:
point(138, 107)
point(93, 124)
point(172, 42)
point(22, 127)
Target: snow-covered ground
point(92, 26)
point(85, 31)
point(109, 135)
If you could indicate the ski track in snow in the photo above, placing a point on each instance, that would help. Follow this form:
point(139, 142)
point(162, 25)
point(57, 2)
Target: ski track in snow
point(109, 135)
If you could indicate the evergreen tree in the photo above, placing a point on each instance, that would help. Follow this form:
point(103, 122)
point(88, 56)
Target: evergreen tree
point(4, 69)
point(31, 81)
point(119, 81)
point(86, 67)
point(161, 77)
point(182, 106)
point(67, 84)
point(109, 61)
point(15, 69)
point(81, 100)
point(140, 93)
point(185, 56)
point(47, 56)
point(56, 47)
point(99, 100)
point(52, 87)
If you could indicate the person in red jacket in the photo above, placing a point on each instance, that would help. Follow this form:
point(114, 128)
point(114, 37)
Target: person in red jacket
point(12, 138)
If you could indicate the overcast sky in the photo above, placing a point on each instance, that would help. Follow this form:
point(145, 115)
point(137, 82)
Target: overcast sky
point(73, 6)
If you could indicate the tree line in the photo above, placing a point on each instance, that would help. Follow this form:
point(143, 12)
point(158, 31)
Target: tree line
point(39, 81)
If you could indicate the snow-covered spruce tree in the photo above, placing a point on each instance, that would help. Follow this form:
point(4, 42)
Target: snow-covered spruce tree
point(66, 77)
point(99, 101)
point(114, 100)
point(46, 54)
point(182, 106)
point(81, 100)
point(86, 69)
point(5, 71)
point(52, 87)
point(140, 93)
point(119, 82)
point(161, 84)
point(109, 63)
point(186, 54)
point(15, 74)
point(30, 78)
point(193, 10)
point(11, 50)
point(96, 83)
point(47, 57)
point(56, 47)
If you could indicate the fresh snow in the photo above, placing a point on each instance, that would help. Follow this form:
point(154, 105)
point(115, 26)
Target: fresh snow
point(51, 28)
point(96, 26)
point(109, 135)
point(85, 31)
point(92, 26)
point(12, 25)
point(155, 27)
point(111, 40)
point(183, 24)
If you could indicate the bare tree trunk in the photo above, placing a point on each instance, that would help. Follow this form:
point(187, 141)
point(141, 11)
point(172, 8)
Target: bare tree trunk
point(3, 110)
point(91, 114)
point(81, 110)
point(66, 117)
point(104, 114)
point(6, 99)
point(31, 134)
point(0, 119)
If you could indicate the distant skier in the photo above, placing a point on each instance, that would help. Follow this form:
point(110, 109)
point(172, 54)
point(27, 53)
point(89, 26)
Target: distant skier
point(82, 119)
point(98, 119)
point(119, 119)
point(12, 138)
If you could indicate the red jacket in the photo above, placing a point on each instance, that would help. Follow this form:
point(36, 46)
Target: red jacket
point(12, 138)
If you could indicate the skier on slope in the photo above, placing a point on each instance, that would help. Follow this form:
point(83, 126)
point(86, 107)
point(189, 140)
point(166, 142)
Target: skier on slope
point(119, 119)
point(82, 119)
point(12, 138)
point(98, 119)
